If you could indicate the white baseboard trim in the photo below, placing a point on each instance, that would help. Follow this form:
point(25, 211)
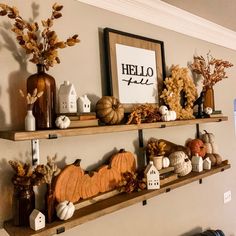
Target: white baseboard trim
point(167, 16)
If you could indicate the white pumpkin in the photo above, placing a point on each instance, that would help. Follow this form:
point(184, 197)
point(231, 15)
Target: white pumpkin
point(65, 210)
point(166, 114)
point(207, 137)
point(62, 122)
point(165, 162)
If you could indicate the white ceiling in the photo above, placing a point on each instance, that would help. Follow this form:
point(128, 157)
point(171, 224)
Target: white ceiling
point(222, 12)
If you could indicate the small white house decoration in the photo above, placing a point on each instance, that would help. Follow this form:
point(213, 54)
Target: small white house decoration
point(207, 164)
point(37, 220)
point(152, 175)
point(67, 98)
point(197, 163)
point(84, 104)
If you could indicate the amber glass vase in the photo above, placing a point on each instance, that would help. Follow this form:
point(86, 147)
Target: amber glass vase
point(209, 100)
point(23, 204)
point(44, 108)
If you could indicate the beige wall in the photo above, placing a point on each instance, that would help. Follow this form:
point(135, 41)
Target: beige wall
point(186, 210)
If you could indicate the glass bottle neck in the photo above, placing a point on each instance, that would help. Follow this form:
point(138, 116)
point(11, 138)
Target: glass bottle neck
point(40, 68)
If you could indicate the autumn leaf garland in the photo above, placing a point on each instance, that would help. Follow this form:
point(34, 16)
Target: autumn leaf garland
point(42, 45)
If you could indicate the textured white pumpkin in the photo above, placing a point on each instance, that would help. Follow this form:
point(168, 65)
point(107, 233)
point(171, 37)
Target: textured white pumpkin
point(207, 137)
point(65, 210)
point(181, 163)
point(166, 114)
point(165, 162)
point(62, 122)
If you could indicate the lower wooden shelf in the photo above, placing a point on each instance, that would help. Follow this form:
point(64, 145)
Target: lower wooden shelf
point(110, 205)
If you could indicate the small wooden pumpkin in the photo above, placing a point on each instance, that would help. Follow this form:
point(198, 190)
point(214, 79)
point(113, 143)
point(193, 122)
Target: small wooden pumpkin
point(68, 182)
point(65, 210)
point(123, 161)
point(197, 147)
point(109, 178)
point(109, 110)
point(89, 185)
point(62, 122)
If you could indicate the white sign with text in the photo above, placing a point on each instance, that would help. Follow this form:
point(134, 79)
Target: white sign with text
point(137, 75)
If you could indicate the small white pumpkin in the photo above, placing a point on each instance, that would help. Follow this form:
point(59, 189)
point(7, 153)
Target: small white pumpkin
point(208, 137)
point(166, 114)
point(165, 162)
point(62, 122)
point(65, 210)
point(208, 110)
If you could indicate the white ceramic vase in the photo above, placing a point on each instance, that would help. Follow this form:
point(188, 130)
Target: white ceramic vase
point(29, 121)
point(157, 161)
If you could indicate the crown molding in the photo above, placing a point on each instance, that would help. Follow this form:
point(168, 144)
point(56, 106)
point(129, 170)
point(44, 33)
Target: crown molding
point(167, 16)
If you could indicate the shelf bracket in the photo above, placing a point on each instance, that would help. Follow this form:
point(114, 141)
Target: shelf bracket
point(144, 202)
point(200, 181)
point(35, 151)
point(197, 131)
point(143, 160)
point(61, 230)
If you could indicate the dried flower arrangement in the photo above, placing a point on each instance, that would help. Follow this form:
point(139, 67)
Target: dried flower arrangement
point(155, 147)
point(43, 45)
point(31, 98)
point(26, 175)
point(132, 182)
point(211, 69)
point(146, 113)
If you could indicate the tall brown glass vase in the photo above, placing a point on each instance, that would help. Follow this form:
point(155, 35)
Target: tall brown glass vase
point(209, 100)
point(44, 108)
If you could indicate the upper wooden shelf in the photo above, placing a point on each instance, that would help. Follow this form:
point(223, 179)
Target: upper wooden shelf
point(56, 133)
point(112, 204)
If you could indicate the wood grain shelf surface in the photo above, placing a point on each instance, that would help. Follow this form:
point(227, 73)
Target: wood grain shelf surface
point(110, 205)
point(50, 134)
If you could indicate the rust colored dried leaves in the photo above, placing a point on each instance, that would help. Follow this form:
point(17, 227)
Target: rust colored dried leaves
point(26, 175)
point(145, 113)
point(42, 44)
point(155, 147)
point(211, 69)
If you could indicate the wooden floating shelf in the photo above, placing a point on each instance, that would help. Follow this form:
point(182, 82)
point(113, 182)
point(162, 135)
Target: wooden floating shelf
point(110, 205)
point(50, 134)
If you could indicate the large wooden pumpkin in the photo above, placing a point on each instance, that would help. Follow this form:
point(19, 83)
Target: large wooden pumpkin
point(109, 110)
point(68, 182)
point(89, 185)
point(123, 161)
point(109, 178)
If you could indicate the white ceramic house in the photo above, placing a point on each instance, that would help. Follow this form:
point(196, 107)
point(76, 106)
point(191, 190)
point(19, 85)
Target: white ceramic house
point(207, 164)
point(37, 220)
point(67, 98)
point(197, 163)
point(152, 175)
point(84, 104)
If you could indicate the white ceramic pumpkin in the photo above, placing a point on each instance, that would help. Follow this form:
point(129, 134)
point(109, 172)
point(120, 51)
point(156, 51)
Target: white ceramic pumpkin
point(62, 122)
point(165, 162)
point(65, 210)
point(166, 114)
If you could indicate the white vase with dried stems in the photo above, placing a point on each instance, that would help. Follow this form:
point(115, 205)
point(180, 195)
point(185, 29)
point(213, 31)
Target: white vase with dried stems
point(30, 123)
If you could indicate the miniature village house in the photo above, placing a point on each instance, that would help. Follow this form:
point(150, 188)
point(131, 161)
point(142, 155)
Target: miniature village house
point(207, 164)
point(152, 175)
point(37, 220)
point(67, 98)
point(197, 163)
point(84, 104)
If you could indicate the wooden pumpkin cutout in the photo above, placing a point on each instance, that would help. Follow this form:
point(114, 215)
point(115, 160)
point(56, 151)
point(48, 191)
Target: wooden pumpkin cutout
point(123, 161)
point(68, 182)
point(89, 185)
point(109, 178)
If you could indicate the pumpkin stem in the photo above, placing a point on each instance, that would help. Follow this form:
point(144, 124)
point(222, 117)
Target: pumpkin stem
point(205, 131)
point(77, 162)
point(122, 150)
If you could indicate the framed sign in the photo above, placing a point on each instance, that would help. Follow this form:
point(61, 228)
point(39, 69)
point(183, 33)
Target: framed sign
point(136, 67)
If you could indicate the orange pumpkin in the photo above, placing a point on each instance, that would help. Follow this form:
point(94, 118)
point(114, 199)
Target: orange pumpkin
point(123, 161)
point(67, 183)
point(197, 147)
point(109, 178)
point(89, 185)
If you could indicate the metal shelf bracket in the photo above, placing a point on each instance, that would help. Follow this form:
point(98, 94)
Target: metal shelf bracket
point(35, 151)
